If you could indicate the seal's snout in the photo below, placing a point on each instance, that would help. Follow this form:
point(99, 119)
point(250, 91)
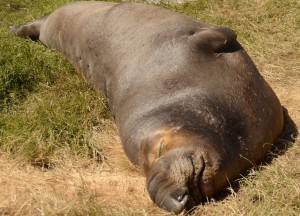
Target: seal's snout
point(166, 193)
point(173, 180)
point(215, 39)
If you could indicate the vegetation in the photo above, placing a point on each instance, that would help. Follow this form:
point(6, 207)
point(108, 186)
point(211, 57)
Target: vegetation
point(44, 103)
point(59, 151)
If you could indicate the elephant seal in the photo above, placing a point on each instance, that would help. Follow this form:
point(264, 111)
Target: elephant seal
point(191, 108)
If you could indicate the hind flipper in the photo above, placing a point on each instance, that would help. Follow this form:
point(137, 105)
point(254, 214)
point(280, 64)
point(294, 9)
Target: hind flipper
point(31, 30)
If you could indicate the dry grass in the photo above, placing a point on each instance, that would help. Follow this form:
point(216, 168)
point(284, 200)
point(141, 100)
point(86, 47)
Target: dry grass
point(102, 181)
point(76, 186)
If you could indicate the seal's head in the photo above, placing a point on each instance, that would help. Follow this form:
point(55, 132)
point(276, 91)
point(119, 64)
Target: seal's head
point(174, 164)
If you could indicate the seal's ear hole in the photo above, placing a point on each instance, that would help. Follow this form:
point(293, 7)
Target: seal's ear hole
point(161, 145)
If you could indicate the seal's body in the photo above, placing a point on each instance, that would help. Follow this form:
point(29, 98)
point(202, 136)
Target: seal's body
point(191, 108)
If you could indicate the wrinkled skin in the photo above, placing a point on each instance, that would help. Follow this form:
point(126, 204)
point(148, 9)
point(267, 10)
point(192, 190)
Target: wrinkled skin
point(181, 182)
point(191, 108)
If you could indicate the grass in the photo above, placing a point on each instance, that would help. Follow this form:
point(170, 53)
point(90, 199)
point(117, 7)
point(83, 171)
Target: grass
point(44, 103)
point(51, 119)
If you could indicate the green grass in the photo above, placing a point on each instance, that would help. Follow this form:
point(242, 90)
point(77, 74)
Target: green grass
point(44, 103)
point(46, 109)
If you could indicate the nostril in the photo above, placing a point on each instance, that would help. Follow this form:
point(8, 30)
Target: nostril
point(183, 199)
point(180, 198)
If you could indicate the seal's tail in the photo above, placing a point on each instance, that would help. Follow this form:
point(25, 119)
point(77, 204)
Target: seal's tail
point(31, 29)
